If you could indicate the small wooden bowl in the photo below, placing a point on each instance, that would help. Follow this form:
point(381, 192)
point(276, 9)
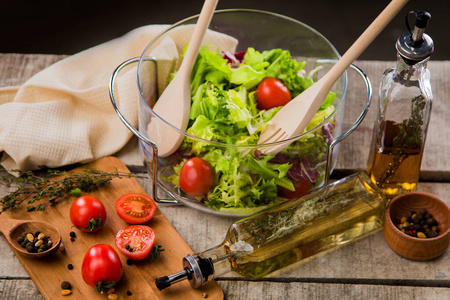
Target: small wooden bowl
point(412, 247)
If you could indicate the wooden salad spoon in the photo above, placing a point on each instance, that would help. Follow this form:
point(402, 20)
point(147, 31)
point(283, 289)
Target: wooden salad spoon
point(174, 105)
point(12, 229)
point(293, 118)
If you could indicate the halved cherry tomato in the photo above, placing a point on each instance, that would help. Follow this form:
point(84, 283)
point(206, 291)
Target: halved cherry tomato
point(101, 267)
point(301, 188)
point(135, 208)
point(88, 214)
point(135, 242)
point(271, 93)
point(196, 177)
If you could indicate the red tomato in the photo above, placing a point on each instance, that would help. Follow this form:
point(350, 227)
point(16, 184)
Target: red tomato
point(88, 214)
point(135, 208)
point(271, 93)
point(101, 267)
point(135, 242)
point(196, 177)
point(301, 188)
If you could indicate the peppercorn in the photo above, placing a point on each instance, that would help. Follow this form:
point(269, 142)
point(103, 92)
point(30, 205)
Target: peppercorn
point(419, 224)
point(70, 266)
point(65, 285)
point(432, 234)
point(129, 293)
point(129, 262)
point(35, 242)
point(30, 248)
point(73, 234)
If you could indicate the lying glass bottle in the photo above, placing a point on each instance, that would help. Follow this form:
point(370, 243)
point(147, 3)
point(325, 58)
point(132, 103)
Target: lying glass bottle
point(290, 232)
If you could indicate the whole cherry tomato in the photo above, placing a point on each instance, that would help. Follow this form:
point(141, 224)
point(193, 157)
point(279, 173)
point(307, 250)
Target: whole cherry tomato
point(135, 208)
point(88, 214)
point(135, 242)
point(271, 93)
point(196, 177)
point(101, 267)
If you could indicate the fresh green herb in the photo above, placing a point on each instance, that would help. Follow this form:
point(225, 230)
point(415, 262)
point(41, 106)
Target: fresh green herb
point(156, 251)
point(409, 137)
point(93, 224)
point(33, 188)
point(102, 287)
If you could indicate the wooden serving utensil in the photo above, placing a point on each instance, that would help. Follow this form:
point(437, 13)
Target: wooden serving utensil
point(174, 105)
point(12, 229)
point(293, 118)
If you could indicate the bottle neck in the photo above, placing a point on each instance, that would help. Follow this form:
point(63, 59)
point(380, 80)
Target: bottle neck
point(406, 72)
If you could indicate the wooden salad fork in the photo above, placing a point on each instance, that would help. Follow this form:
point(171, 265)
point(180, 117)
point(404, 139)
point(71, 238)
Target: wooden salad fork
point(293, 118)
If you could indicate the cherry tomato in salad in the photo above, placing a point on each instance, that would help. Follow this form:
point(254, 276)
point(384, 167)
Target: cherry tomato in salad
point(88, 214)
point(135, 242)
point(271, 93)
point(301, 188)
point(135, 208)
point(196, 177)
point(101, 267)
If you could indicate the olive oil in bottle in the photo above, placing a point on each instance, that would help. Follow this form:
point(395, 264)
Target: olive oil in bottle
point(290, 232)
point(405, 105)
point(393, 169)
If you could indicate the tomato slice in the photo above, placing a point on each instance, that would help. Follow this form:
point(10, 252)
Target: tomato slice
point(136, 241)
point(135, 208)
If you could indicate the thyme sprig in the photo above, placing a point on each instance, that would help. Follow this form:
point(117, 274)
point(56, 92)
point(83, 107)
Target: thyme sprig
point(33, 188)
point(409, 137)
point(299, 217)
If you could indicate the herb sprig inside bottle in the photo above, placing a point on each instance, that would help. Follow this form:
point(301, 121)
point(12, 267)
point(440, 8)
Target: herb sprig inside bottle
point(408, 140)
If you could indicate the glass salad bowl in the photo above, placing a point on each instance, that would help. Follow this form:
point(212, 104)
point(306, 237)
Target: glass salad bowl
point(227, 173)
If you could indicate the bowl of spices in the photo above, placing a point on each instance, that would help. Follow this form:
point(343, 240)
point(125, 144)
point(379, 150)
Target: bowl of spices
point(417, 226)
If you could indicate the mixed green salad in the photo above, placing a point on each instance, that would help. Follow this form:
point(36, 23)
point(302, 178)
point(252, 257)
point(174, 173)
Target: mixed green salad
point(225, 110)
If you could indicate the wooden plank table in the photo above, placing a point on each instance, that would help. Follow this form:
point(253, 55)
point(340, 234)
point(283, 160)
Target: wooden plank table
point(367, 269)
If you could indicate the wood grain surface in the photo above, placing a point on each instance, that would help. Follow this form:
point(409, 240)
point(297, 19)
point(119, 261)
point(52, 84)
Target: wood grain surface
point(368, 269)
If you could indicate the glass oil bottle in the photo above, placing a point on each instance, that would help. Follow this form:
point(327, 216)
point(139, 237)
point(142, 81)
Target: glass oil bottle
point(290, 232)
point(404, 111)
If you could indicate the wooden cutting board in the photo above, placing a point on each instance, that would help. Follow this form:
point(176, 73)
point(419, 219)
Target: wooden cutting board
point(139, 278)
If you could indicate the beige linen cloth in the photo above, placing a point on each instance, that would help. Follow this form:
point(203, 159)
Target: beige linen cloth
point(63, 114)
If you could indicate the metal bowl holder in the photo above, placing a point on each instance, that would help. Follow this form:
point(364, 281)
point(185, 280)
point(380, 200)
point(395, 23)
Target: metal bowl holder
point(155, 148)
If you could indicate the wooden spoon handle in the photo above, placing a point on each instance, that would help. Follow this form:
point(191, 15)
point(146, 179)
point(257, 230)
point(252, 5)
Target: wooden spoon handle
point(7, 225)
point(199, 31)
point(364, 40)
